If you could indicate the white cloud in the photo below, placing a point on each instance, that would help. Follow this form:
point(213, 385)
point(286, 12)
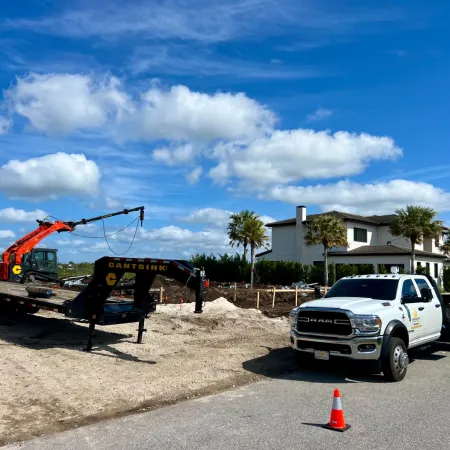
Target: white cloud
point(70, 242)
point(210, 216)
point(49, 177)
point(5, 125)
point(174, 236)
point(218, 21)
point(214, 217)
point(173, 156)
point(194, 176)
point(171, 59)
point(181, 114)
point(291, 155)
point(13, 215)
point(380, 198)
point(58, 104)
point(98, 247)
point(113, 203)
point(7, 234)
point(320, 113)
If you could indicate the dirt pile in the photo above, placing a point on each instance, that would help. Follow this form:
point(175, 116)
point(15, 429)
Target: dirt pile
point(48, 384)
point(175, 293)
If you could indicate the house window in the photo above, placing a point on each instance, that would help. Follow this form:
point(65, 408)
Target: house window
point(436, 270)
point(428, 268)
point(359, 234)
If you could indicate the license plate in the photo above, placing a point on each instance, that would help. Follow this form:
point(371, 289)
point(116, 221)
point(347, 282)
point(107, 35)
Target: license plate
point(322, 354)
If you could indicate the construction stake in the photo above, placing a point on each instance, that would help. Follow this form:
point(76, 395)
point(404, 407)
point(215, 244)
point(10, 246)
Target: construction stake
point(296, 295)
point(257, 300)
point(234, 292)
point(273, 299)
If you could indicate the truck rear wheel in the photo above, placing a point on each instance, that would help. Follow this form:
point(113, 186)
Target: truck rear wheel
point(395, 361)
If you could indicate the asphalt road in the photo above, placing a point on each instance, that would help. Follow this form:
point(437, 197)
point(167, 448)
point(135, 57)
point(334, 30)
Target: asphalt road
point(283, 412)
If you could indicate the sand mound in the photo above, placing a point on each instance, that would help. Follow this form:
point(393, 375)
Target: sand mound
point(220, 305)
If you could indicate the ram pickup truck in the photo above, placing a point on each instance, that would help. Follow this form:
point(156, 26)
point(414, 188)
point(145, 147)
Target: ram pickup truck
point(372, 317)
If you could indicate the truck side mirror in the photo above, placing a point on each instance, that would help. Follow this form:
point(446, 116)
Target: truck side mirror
point(426, 294)
point(414, 299)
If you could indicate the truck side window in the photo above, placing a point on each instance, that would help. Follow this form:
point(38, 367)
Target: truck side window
point(421, 284)
point(408, 289)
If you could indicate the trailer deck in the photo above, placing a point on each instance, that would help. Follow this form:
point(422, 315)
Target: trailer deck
point(95, 303)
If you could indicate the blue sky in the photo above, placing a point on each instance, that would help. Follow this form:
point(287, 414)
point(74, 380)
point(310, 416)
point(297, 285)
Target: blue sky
point(196, 109)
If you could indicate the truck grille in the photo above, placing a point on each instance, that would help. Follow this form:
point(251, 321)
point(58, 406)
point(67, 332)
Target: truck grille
point(324, 322)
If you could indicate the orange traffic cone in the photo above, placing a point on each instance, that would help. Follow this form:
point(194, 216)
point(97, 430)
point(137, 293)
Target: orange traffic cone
point(337, 421)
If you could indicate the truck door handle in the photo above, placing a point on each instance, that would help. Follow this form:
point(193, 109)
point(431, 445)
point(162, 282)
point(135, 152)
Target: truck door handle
point(438, 305)
point(421, 308)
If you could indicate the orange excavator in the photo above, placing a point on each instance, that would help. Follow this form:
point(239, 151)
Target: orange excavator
point(22, 261)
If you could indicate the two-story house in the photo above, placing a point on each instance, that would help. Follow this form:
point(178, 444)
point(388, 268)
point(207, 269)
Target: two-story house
point(369, 239)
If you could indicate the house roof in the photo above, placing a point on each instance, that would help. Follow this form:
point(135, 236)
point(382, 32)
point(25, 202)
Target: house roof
point(282, 223)
point(263, 253)
point(369, 220)
point(341, 215)
point(383, 220)
point(389, 249)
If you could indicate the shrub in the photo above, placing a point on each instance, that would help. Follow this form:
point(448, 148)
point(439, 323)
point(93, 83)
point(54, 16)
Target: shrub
point(227, 268)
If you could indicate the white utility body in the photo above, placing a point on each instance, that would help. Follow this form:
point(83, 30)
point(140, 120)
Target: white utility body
point(371, 317)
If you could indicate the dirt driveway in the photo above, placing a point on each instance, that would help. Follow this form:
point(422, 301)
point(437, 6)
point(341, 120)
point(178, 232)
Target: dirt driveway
point(47, 383)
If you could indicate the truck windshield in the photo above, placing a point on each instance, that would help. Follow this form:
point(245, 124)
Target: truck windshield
point(379, 289)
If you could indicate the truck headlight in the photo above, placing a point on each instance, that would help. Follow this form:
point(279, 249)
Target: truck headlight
point(293, 319)
point(366, 324)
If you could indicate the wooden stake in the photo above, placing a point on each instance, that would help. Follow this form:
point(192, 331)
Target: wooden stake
point(257, 300)
point(273, 299)
point(296, 295)
point(161, 294)
point(234, 292)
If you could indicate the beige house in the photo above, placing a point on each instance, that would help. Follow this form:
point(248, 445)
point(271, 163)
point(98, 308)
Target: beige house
point(369, 239)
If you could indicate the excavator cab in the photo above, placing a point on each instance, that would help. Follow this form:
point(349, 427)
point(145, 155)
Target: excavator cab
point(39, 261)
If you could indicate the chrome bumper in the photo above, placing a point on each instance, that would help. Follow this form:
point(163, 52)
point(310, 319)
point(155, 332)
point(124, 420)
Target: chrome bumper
point(345, 348)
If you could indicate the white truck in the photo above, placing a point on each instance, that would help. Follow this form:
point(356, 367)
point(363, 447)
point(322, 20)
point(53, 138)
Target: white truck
point(372, 317)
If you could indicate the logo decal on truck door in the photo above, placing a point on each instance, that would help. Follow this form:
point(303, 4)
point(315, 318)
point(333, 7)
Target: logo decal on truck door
point(416, 319)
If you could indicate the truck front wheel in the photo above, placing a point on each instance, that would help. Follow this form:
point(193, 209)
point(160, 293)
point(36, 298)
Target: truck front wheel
point(395, 361)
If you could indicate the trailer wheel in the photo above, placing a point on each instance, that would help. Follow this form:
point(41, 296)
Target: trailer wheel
point(395, 361)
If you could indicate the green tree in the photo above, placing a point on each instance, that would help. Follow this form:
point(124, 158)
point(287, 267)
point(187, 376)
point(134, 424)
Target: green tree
point(445, 247)
point(254, 232)
point(416, 223)
point(329, 231)
point(235, 229)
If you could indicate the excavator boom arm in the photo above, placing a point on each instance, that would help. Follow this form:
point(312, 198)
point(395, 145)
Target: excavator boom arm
point(28, 242)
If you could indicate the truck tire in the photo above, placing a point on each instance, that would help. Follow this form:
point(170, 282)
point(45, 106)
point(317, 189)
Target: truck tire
point(395, 361)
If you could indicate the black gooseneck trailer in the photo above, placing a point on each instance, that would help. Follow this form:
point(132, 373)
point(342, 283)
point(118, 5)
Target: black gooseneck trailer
point(95, 302)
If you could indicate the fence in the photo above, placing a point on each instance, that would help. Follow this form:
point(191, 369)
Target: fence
point(274, 291)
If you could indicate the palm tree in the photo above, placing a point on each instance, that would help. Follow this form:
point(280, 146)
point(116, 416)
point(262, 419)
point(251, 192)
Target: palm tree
point(416, 223)
point(329, 231)
point(254, 232)
point(445, 247)
point(236, 229)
